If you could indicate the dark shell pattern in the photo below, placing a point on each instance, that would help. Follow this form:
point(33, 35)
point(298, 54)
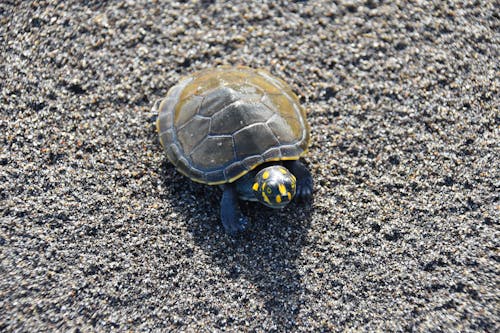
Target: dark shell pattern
point(218, 124)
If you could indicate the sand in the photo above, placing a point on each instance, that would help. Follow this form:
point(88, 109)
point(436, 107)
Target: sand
point(98, 232)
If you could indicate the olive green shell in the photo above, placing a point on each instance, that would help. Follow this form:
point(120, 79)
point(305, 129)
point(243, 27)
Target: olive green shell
point(218, 124)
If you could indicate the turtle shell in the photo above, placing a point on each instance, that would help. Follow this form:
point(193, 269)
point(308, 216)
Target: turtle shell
point(218, 124)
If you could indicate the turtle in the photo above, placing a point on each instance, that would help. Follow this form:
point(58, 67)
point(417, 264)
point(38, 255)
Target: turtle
point(242, 129)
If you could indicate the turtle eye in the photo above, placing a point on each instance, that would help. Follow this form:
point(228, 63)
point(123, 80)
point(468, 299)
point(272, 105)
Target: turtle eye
point(268, 190)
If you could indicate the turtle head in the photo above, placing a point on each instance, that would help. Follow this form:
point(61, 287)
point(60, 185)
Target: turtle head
point(274, 186)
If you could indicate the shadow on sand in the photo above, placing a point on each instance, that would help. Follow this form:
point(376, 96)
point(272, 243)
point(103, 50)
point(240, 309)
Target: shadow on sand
point(265, 255)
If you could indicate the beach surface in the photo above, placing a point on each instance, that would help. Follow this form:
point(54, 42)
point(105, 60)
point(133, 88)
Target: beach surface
point(99, 232)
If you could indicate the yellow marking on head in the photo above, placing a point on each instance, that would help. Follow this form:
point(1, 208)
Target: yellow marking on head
point(265, 175)
point(289, 196)
point(278, 198)
point(266, 199)
point(255, 187)
point(282, 189)
point(283, 170)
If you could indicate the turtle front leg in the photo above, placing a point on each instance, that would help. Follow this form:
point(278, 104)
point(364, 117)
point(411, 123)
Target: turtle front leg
point(233, 220)
point(304, 179)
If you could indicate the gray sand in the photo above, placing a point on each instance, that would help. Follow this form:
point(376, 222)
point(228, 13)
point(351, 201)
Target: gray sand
point(99, 232)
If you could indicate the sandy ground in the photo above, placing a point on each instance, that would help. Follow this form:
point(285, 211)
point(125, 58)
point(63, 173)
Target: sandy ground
point(99, 232)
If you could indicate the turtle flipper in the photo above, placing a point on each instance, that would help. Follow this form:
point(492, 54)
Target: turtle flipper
point(304, 179)
point(233, 220)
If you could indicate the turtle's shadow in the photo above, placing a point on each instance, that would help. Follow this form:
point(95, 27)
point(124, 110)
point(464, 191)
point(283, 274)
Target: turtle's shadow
point(266, 255)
